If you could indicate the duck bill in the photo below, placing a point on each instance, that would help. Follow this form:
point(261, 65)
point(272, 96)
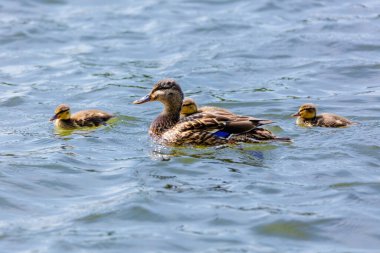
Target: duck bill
point(54, 117)
point(142, 100)
point(296, 114)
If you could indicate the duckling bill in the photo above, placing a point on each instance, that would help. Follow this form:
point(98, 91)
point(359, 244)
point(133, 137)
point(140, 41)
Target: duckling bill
point(202, 128)
point(86, 118)
point(307, 117)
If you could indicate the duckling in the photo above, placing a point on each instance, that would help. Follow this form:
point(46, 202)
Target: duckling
point(87, 118)
point(189, 107)
point(204, 128)
point(307, 116)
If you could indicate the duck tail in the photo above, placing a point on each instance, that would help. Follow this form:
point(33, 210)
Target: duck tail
point(262, 122)
point(283, 139)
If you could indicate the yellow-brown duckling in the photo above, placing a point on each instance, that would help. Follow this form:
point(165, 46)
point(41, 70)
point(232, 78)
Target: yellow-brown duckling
point(87, 118)
point(189, 107)
point(307, 117)
point(203, 128)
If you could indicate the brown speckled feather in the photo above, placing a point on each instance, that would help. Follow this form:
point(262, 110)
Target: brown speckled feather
point(253, 136)
point(90, 118)
point(211, 109)
point(199, 129)
point(331, 120)
point(230, 123)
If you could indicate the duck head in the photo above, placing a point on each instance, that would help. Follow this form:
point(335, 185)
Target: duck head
point(166, 91)
point(188, 107)
point(306, 111)
point(61, 112)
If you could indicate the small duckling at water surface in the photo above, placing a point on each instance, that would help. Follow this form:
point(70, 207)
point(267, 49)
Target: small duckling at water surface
point(202, 128)
point(87, 118)
point(307, 117)
point(189, 107)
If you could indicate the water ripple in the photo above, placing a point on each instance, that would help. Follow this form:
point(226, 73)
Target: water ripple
point(111, 189)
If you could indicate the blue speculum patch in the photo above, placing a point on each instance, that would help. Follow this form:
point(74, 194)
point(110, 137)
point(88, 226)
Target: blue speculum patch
point(222, 134)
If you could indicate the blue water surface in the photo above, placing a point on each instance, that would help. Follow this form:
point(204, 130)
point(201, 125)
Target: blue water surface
point(113, 190)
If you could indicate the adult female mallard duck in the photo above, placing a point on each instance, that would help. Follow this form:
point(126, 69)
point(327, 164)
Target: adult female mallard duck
point(205, 128)
point(87, 118)
point(307, 117)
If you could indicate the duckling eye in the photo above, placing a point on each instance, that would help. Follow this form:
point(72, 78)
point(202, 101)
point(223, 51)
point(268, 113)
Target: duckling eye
point(62, 112)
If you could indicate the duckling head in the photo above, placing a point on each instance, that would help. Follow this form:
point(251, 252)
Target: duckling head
point(306, 111)
point(188, 106)
point(61, 112)
point(166, 91)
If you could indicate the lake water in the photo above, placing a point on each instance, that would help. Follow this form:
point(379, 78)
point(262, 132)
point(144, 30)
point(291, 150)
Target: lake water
point(113, 190)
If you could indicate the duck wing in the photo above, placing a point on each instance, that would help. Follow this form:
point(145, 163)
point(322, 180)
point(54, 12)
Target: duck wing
point(332, 120)
point(225, 122)
point(213, 109)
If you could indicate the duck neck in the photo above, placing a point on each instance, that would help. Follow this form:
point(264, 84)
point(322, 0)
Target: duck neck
point(167, 118)
point(312, 120)
point(65, 123)
point(306, 122)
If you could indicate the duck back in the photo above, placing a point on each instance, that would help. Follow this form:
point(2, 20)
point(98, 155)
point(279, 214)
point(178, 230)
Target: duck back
point(331, 120)
point(90, 118)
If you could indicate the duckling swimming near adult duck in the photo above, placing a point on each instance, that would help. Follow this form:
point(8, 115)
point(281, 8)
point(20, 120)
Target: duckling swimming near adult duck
point(87, 118)
point(307, 117)
point(204, 128)
point(189, 107)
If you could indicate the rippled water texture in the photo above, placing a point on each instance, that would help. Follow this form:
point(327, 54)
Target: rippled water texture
point(112, 190)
